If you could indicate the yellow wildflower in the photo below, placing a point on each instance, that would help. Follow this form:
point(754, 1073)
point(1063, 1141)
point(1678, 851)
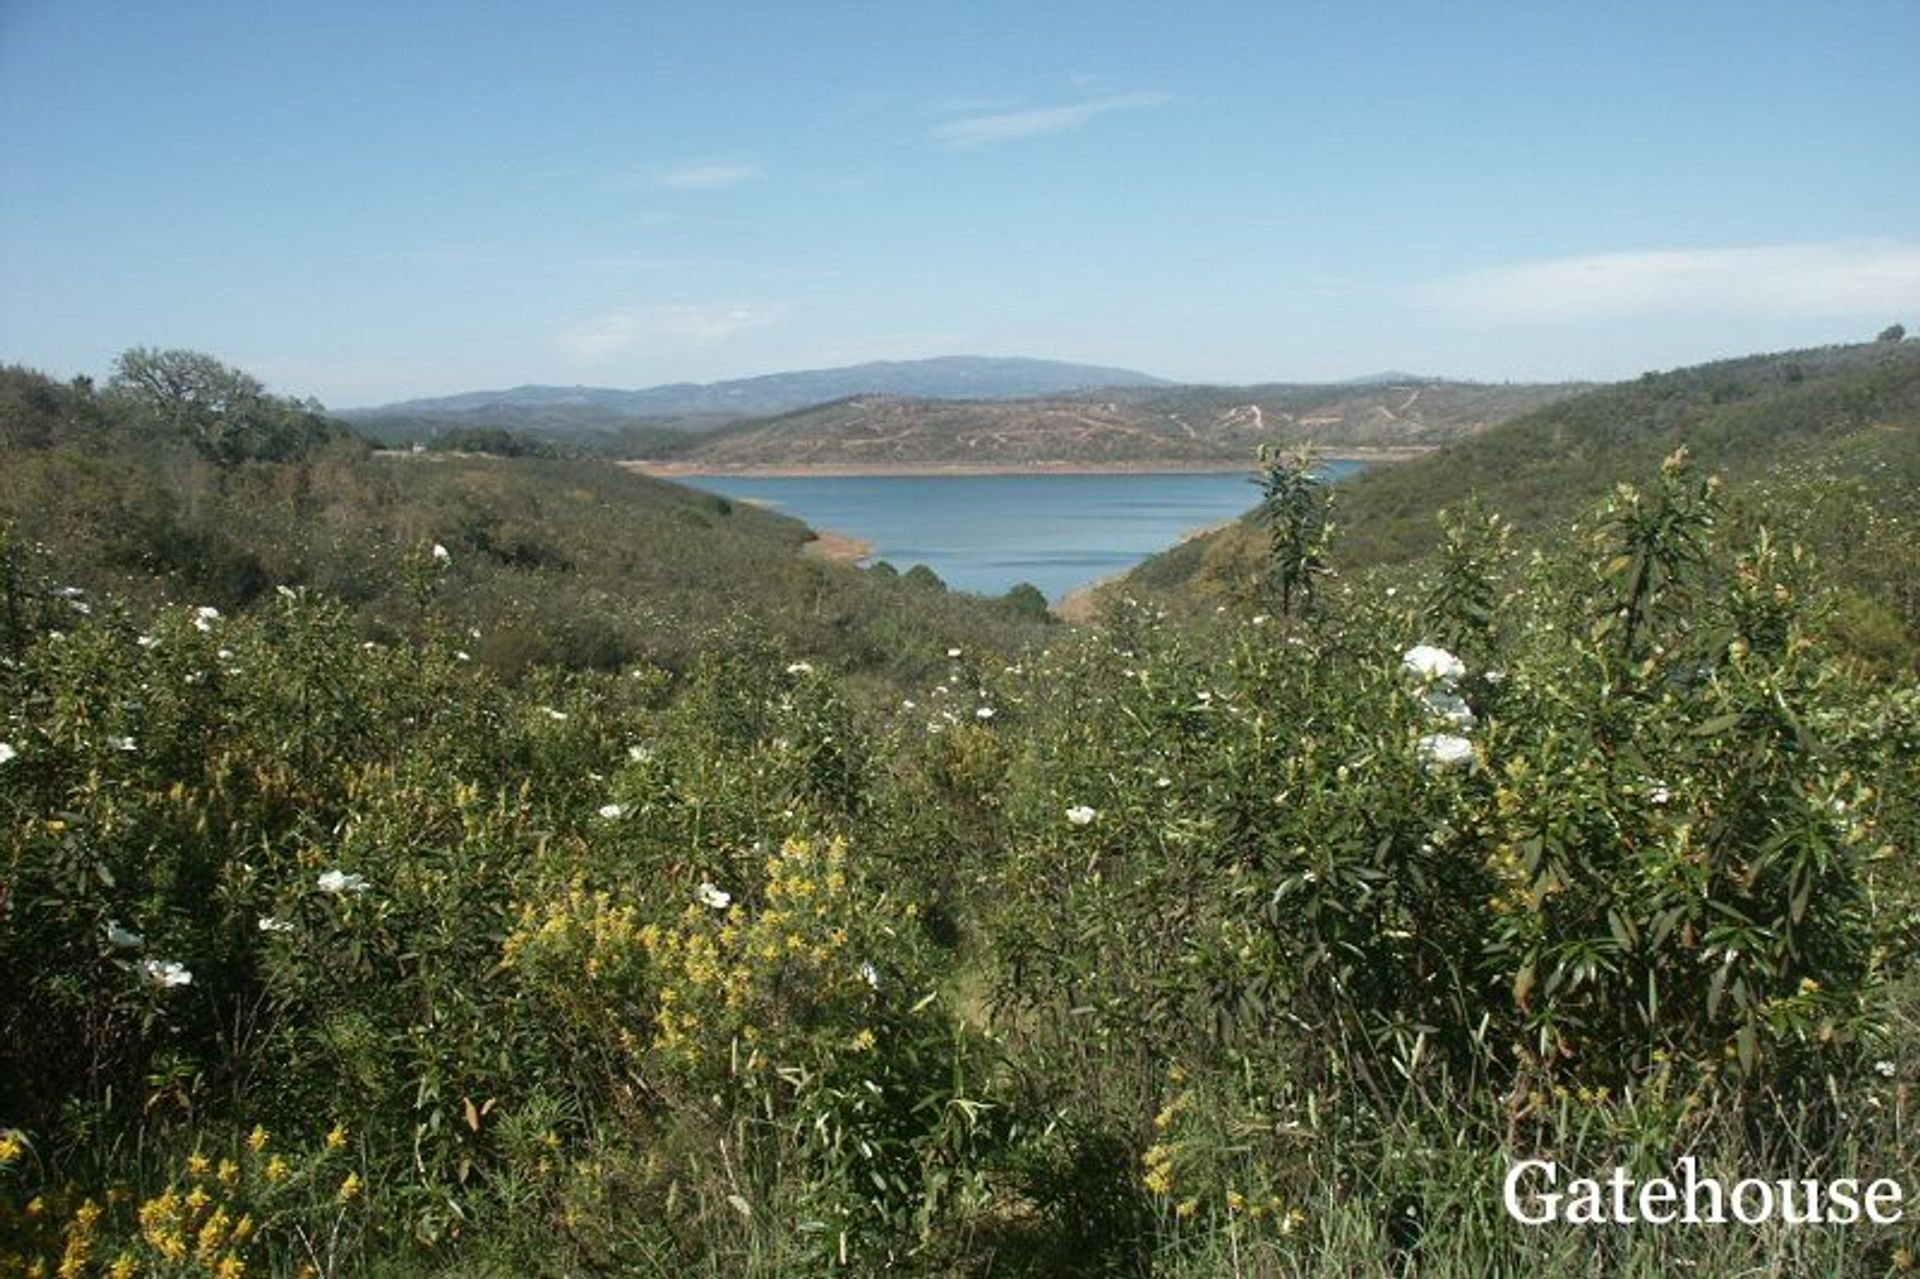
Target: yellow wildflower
point(337, 1137)
point(198, 1165)
point(257, 1139)
point(228, 1172)
point(124, 1267)
point(10, 1146)
point(277, 1170)
point(349, 1189)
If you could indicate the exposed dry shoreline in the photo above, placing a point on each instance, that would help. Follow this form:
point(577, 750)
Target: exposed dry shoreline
point(1081, 604)
point(798, 470)
point(836, 548)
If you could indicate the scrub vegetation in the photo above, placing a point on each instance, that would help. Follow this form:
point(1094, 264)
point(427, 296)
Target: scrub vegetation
point(815, 921)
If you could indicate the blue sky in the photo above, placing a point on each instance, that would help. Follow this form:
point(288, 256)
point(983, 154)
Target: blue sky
point(370, 201)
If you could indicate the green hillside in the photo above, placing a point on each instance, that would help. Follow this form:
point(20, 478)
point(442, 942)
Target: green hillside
point(1836, 419)
point(549, 561)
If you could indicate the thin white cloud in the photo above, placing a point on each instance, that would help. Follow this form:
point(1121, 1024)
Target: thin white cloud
point(674, 324)
point(1777, 281)
point(626, 262)
point(706, 175)
point(1006, 126)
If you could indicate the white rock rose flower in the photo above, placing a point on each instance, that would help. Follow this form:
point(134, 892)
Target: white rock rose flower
point(1429, 662)
point(165, 973)
point(711, 894)
point(1446, 750)
point(1080, 815)
point(337, 882)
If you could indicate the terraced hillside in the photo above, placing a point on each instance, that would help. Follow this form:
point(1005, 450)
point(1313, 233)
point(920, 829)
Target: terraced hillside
point(1116, 427)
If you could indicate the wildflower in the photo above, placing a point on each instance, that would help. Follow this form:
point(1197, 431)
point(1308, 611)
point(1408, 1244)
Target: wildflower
point(10, 1146)
point(800, 668)
point(7, 753)
point(349, 1189)
point(165, 973)
point(863, 1040)
point(1081, 815)
point(984, 712)
point(462, 655)
point(1450, 706)
point(204, 617)
point(1429, 662)
point(337, 1137)
point(274, 924)
point(710, 894)
point(639, 754)
point(338, 882)
point(257, 1139)
point(1884, 1069)
point(1659, 796)
point(611, 811)
point(122, 938)
point(953, 652)
point(1446, 749)
point(440, 555)
point(277, 1170)
point(869, 974)
point(122, 743)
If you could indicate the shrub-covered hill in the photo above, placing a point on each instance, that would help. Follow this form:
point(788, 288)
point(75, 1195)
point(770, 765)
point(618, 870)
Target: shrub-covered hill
point(1264, 945)
point(1117, 426)
point(1804, 426)
point(547, 561)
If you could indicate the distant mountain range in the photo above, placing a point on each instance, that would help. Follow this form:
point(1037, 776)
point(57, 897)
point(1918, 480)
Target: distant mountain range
point(957, 377)
point(966, 410)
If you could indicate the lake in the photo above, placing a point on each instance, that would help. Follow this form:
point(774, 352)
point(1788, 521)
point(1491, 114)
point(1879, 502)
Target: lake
point(986, 533)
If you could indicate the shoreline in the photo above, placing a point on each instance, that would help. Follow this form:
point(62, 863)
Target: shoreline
point(830, 547)
point(1078, 606)
point(826, 470)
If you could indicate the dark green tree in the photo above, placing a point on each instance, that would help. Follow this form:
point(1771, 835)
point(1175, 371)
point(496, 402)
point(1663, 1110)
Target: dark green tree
point(223, 412)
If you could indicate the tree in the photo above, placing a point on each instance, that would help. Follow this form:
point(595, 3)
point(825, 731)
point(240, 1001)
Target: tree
point(1893, 333)
point(225, 413)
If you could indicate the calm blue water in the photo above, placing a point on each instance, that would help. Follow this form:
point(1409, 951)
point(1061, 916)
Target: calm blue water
point(986, 533)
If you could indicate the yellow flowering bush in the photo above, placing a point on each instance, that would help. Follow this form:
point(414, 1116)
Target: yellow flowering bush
point(215, 1217)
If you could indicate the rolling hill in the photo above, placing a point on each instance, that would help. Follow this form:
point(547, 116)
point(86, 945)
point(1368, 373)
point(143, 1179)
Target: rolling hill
point(1811, 418)
point(1130, 426)
point(578, 410)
